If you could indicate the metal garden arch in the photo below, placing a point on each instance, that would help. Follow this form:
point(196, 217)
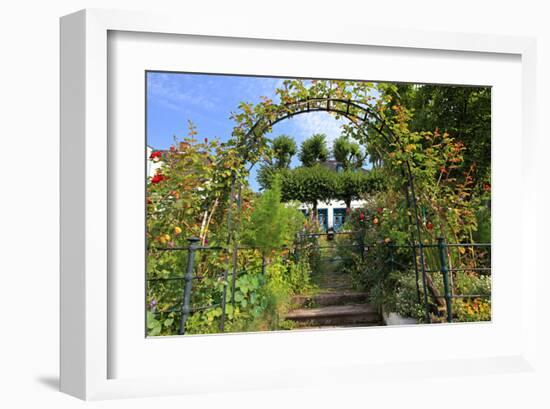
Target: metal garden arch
point(361, 115)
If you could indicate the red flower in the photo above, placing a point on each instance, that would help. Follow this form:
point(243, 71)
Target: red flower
point(429, 225)
point(158, 178)
point(172, 148)
point(155, 155)
point(379, 210)
point(362, 216)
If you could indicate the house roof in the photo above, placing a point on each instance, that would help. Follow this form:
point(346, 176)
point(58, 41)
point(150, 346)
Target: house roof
point(332, 164)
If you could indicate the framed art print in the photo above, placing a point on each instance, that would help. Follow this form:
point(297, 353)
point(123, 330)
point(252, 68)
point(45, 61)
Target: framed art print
point(241, 202)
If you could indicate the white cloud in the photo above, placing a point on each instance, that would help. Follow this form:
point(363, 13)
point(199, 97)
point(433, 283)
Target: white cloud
point(318, 122)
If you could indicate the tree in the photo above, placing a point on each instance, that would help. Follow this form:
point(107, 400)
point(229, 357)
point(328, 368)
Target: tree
point(309, 185)
point(318, 184)
point(348, 153)
point(353, 185)
point(266, 175)
point(314, 150)
point(284, 148)
point(462, 112)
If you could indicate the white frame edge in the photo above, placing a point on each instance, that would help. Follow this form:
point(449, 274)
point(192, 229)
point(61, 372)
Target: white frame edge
point(72, 208)
point(83, 171)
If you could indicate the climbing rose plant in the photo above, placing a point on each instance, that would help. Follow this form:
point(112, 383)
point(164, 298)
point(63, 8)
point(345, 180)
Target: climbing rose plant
point(190, 195)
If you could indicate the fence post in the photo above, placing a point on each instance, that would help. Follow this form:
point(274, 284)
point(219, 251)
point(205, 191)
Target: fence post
point(416, 275)
point(424, 281)
point(224, 296)
point(234, 273)
point(186, 309)
point(443, 262)
point(297, 249)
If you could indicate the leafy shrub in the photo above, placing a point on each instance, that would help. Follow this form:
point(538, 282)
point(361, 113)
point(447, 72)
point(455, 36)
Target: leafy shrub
point(401, 296)
point(472, 310)
point(258, 301)
point(272, 224)
point(483, 231)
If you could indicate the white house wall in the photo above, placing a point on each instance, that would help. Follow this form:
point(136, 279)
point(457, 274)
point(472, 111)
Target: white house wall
point(334, 204)
point(151, 166)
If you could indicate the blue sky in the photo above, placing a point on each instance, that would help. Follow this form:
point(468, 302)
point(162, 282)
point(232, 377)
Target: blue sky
point(208, 100)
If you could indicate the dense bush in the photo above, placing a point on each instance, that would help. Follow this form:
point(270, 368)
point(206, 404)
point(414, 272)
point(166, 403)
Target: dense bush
point(192, 198)
point(272, 224)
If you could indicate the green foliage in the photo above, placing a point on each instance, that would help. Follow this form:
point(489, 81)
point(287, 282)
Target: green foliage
point(272, 224)
point(462, 112)
point(472, 310)
point(299, 276)
point(284, 148)
point(321, 184)
point(314, 150)
point(283, 279)
point(193, 180)
point(154, 326)
point(189, 196)
point(438, 135)
point(385, 273)
point(266, 175)
point(483, 231)
point(347, 153)
point(400, 295)
point(308, 184)
point(353, 185)
point(387, 270)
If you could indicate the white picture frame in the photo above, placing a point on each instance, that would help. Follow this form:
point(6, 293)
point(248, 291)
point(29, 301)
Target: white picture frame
point(86, 301)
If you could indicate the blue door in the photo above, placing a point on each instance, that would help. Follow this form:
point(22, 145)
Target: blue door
point(339, 218)
point(322, 215)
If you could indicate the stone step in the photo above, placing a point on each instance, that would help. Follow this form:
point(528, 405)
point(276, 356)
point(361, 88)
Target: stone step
point(335, 315)
point(333, 281)
point(329, 298)
point(321, 327)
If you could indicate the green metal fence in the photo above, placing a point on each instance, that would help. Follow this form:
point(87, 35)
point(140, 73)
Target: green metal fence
point(187, 282)
point(440, 258)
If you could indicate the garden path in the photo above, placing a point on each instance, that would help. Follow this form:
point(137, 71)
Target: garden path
point(334, 304)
